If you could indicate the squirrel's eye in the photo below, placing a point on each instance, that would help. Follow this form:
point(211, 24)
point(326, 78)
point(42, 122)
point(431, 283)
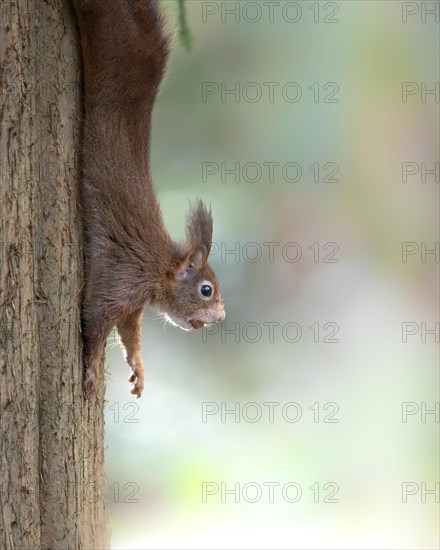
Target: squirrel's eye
point(206, 290)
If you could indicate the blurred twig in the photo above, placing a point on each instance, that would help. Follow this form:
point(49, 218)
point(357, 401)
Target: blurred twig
point(184, 32)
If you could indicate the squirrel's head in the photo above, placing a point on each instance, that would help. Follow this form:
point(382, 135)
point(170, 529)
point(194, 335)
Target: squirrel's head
point(192, 294)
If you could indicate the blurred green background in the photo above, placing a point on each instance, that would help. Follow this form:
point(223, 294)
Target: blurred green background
point(347, 428)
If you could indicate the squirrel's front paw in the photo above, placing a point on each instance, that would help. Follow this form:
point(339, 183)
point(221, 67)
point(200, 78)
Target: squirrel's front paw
point(90, 384)
point(137, 375)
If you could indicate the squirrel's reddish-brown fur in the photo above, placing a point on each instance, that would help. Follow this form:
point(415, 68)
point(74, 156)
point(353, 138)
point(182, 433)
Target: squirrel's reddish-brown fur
point(131, 261)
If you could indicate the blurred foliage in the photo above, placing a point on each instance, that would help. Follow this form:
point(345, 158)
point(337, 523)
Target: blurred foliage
point(368, 293)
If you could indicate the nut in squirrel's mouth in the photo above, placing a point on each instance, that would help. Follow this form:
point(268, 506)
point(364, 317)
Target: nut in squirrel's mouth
point(189, 323)
point(184, 324)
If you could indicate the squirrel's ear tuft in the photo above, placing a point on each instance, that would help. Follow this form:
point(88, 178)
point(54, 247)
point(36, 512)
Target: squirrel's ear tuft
point(199, 232)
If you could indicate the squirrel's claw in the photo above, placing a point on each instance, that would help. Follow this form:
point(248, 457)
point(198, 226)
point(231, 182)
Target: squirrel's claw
point(137, 390)
point(137, 376)
point(138, 387)
point(90, 384)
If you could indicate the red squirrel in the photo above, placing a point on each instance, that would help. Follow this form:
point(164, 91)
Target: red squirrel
point(130, 260)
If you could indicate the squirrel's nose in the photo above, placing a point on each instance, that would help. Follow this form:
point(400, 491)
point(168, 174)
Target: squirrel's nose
point(221, 317)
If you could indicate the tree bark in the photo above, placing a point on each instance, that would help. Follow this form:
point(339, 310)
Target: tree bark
point(52, 481)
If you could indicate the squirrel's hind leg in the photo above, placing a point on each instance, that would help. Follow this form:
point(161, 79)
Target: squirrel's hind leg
point(95, 334)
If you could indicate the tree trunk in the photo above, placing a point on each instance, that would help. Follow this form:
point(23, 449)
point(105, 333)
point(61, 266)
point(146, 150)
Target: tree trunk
point(52, 481)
